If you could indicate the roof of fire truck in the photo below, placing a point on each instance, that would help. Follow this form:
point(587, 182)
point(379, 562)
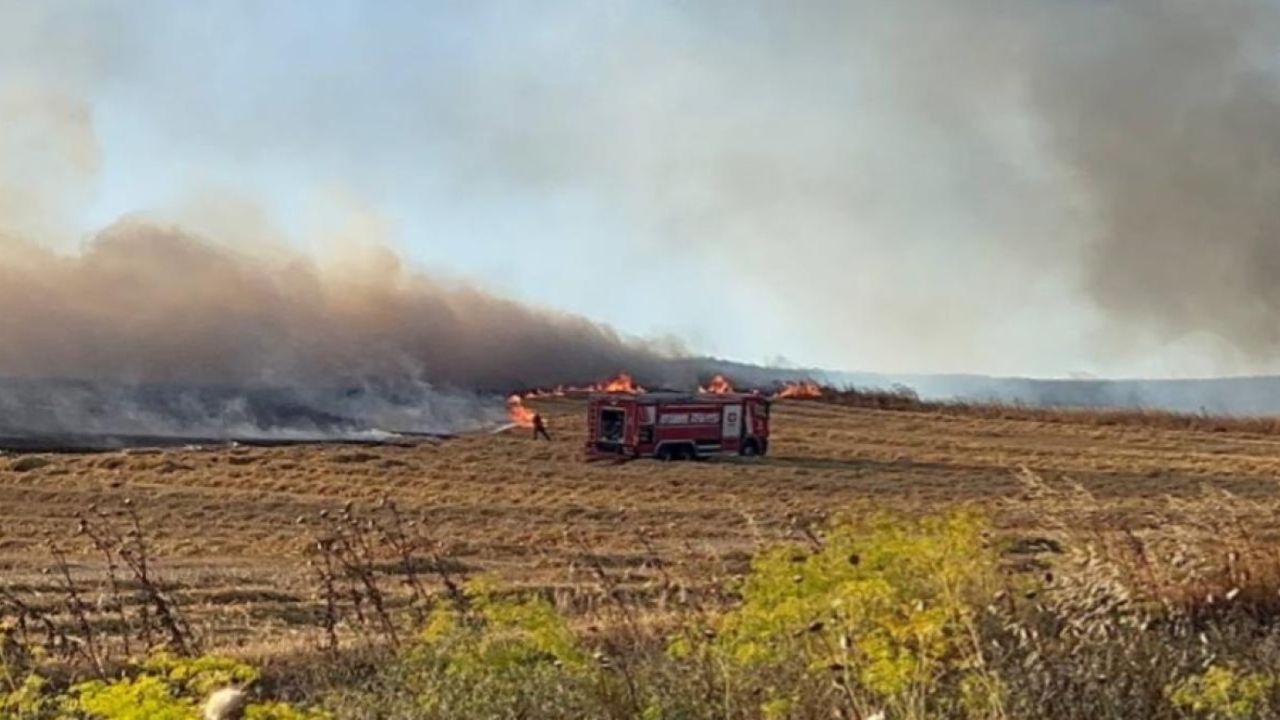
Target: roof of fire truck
point(670, 396)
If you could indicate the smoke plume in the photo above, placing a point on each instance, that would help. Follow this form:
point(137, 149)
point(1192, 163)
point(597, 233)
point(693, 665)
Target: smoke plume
point(1096, 181)
point(927, 185)
point(995, 186)
point(149, 329)
point(1168, 119)
point(147, 303)
point(358, 338)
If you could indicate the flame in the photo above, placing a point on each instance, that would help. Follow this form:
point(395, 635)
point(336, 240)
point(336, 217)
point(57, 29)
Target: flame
point(801, 389)
point(719, 385)
point(623, 383)
point(518, 413)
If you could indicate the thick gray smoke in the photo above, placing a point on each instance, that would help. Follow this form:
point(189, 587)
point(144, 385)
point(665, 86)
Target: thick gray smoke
point(1167, 114)
point(146, 303)
point(149, 330)
point(998, 186)
point(927, 185)
point(1122, 156)
point(1117, 159)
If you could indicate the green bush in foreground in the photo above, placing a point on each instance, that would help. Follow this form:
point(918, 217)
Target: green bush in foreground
point(884, 610)
point(493, 657)
point(1221, 692)
point(163, 687)
point(501, 657)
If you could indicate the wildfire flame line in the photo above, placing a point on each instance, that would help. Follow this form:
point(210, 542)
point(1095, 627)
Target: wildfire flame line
point(801, 389)
point(522, 416)
point(719, 385)
point(623, 383)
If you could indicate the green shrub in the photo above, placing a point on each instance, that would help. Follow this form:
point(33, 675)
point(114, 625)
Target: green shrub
point(498, 658)
point(24, 692)
point(1222, 692)
point(885, 610)
point(24, 696)
point(164, 687)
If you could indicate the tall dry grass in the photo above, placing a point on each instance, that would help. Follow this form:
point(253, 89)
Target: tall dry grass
point(1167, 615)
point(904, 399)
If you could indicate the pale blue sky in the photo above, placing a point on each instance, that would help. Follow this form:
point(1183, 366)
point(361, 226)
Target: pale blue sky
point(847, 184)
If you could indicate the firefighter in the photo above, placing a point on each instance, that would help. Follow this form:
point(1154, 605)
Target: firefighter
point(540, 427)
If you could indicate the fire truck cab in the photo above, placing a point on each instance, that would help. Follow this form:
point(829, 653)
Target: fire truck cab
point(677, 426)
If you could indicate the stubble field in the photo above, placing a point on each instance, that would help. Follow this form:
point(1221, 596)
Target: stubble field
point(230, 528)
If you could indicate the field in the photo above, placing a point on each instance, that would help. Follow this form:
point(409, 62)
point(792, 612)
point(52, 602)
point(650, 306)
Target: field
point(230, 527)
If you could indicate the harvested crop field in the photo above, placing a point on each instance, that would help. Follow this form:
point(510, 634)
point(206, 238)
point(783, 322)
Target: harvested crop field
point(230, 528)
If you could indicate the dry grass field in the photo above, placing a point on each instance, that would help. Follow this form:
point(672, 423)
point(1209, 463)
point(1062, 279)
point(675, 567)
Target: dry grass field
point(231, 526)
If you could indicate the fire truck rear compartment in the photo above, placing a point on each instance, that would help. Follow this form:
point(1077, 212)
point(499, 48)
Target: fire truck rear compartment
point(613, 424)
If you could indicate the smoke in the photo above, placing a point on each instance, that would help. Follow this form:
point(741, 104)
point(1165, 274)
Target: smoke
point(209, 337)
point(998, 186)
point(149, 329)
point(1091, 180)
point(1004, 186)
point(148, 303)
point(1168, 118)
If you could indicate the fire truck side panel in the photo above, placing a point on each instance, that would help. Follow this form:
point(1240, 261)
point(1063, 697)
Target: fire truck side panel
point(682, 427)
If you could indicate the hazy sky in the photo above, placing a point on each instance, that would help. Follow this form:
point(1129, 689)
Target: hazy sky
point(1012, 187)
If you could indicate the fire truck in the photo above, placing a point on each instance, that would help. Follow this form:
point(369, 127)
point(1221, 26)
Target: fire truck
point(677, 426)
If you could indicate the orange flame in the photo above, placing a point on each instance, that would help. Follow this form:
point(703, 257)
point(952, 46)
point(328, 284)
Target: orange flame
point(719, 385)
point(518, 413)
point(802, 389)
point(623, 383)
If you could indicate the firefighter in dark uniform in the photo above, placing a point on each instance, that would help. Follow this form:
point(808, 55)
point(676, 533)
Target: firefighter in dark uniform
point(540, 427)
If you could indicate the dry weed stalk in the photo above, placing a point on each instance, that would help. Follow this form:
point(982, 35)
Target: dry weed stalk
point(24, 627)
point(74, 633)
point(352, 557)
point(159, 612)
point(87, 640)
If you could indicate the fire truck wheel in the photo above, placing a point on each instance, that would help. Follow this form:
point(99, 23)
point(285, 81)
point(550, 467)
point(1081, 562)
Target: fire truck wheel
point(677, 452)
point(750, 448)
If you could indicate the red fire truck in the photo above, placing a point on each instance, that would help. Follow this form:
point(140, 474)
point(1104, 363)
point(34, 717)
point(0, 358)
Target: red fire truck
point(677, 426)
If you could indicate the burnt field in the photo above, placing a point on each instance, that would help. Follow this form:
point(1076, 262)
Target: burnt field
point(229, 528)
